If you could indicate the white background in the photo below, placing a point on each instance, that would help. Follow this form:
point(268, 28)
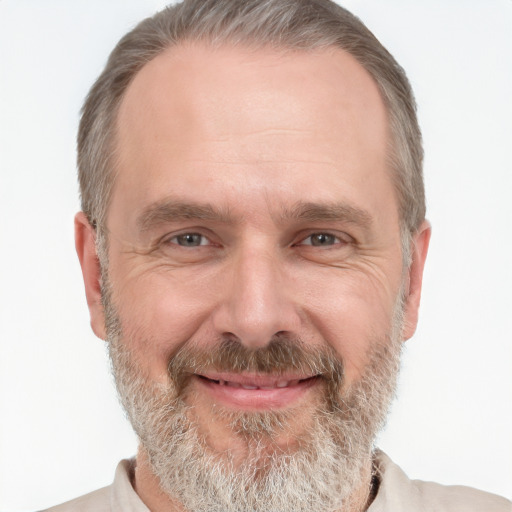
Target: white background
point(61, 430)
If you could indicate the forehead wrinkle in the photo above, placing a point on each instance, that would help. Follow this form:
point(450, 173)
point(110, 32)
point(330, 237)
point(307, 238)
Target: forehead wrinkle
point(168, 210)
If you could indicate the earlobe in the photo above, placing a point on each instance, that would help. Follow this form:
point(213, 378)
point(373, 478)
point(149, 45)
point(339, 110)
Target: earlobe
point(85, 243)
point(419, 248)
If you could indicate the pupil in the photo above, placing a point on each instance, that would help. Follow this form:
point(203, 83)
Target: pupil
point(322, 239)
point(189, 239)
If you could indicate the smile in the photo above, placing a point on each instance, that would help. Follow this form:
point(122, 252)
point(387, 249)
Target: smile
point(256, 392)
point(276, 384)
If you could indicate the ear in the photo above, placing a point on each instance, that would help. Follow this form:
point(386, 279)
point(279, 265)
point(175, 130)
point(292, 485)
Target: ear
point(419, 249)
point(85, 243)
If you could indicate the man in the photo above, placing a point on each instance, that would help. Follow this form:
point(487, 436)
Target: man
point(252, 241)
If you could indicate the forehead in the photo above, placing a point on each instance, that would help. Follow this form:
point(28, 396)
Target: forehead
point(198, 117)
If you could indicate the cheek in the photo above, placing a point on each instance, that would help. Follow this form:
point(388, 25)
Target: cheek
point(160, 313)
point(352, 314)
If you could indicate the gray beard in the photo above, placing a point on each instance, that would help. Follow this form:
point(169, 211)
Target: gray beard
point(319, 474)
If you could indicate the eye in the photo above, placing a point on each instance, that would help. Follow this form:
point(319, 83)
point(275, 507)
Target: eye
point(189, 240)
point(321, 240)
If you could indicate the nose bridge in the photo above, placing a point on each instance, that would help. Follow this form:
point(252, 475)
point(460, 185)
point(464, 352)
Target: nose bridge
point(257, 304)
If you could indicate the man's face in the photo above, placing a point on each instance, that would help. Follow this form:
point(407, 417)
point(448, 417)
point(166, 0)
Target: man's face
point(253, 207)
point(253, 198)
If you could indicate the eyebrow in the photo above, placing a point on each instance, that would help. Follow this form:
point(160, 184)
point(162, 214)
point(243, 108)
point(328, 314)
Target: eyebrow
point(169, 210)
point(330, 212)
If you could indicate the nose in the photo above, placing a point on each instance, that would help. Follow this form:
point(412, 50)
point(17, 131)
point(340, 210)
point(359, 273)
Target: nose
point(257, 300)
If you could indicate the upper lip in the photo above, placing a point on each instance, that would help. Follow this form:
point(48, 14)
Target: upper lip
point(255, 380)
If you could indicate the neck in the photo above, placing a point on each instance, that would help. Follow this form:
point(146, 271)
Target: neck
point(147, 486)
point(364, 494)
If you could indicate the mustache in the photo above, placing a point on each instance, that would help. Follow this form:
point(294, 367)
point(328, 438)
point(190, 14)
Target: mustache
point(282, 354)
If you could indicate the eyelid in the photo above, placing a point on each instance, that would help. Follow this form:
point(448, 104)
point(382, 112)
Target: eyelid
point(173, 239)
point(170, 238)
point(340, 238)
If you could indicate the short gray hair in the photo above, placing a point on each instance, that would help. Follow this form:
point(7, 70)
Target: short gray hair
point(291, 24)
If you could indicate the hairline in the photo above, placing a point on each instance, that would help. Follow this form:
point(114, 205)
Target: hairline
point(250, 44)
point(100, 225)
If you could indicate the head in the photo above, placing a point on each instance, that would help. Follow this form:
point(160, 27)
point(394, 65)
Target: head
point(251, 183)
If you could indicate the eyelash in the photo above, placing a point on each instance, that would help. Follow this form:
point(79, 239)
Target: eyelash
point(326, 236)
point(191, 234)
point(335, 240)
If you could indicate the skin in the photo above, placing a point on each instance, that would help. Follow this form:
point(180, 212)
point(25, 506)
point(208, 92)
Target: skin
point(276, 149)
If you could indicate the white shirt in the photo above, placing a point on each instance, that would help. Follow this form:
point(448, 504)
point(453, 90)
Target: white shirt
point(396, 494)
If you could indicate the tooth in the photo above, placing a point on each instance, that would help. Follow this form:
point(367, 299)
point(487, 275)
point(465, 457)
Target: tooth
point(267, 387)
point(282, 384)
point(222, 382)
point(246, 386)
point(294, 382)
point(232, 384)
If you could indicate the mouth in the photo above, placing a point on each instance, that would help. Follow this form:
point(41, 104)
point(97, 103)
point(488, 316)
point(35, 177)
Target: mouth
point(258, 382)
point(256, 392)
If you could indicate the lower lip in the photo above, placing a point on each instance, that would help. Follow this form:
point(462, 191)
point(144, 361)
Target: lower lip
point(256, 399)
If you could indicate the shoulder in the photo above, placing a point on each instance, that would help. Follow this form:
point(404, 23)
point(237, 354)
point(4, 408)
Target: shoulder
point(118, 496)
point(97, 501)
point(398, 493)
point(455, 498)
